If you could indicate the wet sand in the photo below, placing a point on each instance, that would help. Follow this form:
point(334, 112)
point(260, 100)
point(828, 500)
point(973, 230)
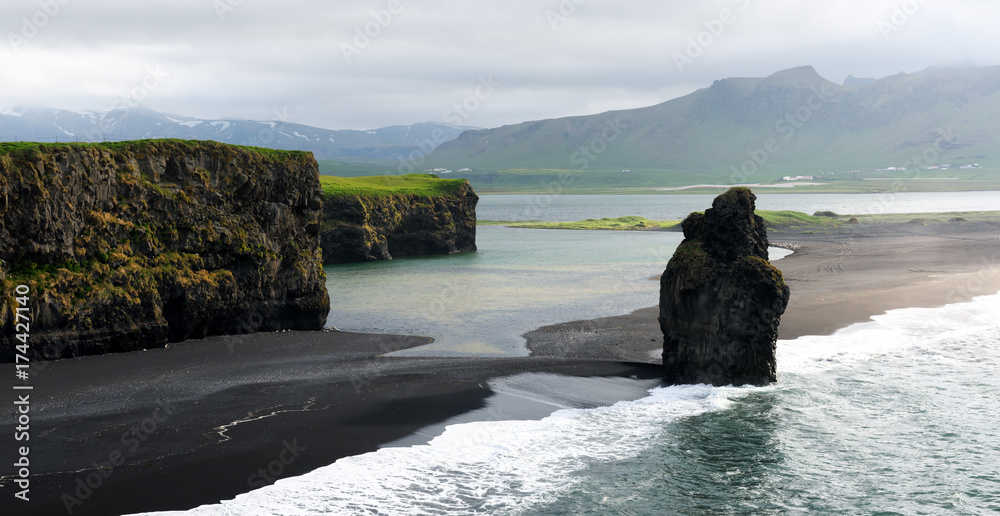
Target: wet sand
point(837, 278)
point(205, 420)
point(845, 278)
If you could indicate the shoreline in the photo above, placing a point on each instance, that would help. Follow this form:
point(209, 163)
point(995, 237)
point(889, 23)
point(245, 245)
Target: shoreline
point(845, 277)
point(831, 187)
point(232, 405)
point(204, 421)
point(838, 278)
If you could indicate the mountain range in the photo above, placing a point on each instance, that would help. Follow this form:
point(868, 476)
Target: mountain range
point(386, 143)
point(793, 118)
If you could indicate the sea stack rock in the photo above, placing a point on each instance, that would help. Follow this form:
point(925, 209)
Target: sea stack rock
point(720, 298)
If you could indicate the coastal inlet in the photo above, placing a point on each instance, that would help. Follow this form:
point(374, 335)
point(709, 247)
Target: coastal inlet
point(520, 279)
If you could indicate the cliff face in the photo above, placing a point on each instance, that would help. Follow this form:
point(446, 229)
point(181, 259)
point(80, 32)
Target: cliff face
point(365, 228)
point(720, 299)
point(132, 245)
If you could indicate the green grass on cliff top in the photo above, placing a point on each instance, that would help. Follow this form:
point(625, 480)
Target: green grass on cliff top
point(636, 223)
point(134, 145)
point(626, 223)
point(381, 186)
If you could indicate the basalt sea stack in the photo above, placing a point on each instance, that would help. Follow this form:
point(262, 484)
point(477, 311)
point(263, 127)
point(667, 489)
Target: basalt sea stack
point(720, 298)
point(130, 245)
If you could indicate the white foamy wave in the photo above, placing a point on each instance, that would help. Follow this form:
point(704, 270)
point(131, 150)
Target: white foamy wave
point(502, 467)
point(571, 392)
point(483, 467)
point(890, 332)
point(777, 253)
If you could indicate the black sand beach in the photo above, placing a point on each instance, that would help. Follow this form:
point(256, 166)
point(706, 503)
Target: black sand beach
point(201, 420)
point(205, 420)
point(837, 278)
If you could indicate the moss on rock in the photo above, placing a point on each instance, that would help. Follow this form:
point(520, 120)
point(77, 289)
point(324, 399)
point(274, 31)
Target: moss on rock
point(379, 225)
point(720, 298)
point(116, 239)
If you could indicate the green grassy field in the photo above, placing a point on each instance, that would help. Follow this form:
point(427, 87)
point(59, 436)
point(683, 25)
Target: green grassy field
point(777, 220)
point(378, 186)
point(928, 218)
point(626, 223)
point(655, 181)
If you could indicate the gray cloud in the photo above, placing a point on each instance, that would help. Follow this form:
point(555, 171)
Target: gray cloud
point(551, 58)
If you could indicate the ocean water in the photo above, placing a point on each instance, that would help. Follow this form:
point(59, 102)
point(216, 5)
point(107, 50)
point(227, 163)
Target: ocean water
point(894, 416)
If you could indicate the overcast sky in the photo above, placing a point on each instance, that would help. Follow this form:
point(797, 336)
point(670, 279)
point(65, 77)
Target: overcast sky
point(358, 65)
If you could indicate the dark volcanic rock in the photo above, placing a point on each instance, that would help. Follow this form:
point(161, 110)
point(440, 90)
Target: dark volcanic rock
point(720, 299)
point(131, 245)
point(366, 228)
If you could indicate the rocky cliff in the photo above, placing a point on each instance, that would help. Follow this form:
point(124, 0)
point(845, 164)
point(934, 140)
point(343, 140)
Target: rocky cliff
point(361, 228)
point(132, 245)
point(720, 298)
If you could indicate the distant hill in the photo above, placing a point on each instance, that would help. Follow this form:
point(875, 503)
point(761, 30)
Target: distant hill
point(852, 81)
point(387, 143)
point(942, 115)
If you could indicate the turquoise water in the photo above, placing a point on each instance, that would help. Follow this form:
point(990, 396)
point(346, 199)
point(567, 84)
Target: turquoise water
point(520, 279)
